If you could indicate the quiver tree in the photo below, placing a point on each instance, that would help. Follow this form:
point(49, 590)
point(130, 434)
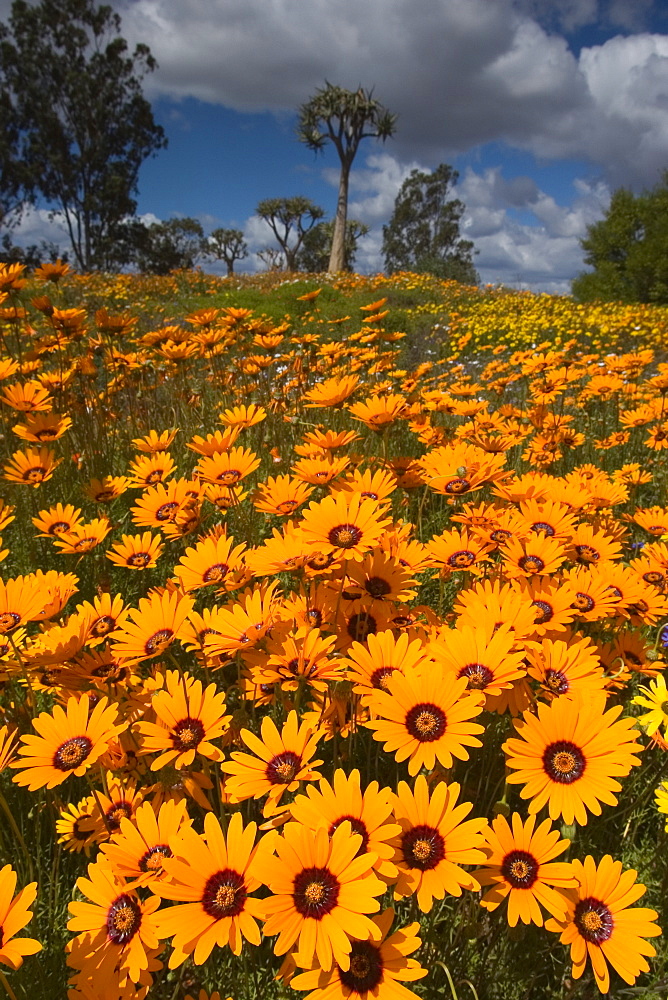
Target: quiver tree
point(290, 219)
point(344, 118)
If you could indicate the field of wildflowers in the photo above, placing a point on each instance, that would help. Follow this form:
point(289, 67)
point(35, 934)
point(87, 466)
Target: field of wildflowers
point(332, 632)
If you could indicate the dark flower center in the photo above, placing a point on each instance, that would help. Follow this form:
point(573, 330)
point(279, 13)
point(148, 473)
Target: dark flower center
point(158, 641)
point(556, 681)
point(49, 677)
point(586, 554)
point(315, 892)
point(314, 617)
point(187, 734)
point(520, 869)
point(58, 527)
point(366, 968)
point(583, 602)
point(544, 612)
point(111, 670)
point(344, 536)
point(34, 475)
point(282, 768)
point(479, 676)
point(457, 486)
point(564, 762)
point(654, 577)
point(379, 677)
point(224, 894)
point(77, 832)
point(103, 626)
point(85, 544)
point(361, 626)
point(215, 573)
point(123, 919)
point(320, 561)
point(423, 847)
point(499, 535)
point(229, 477)
point(531, 564)
point(426, 722)
point(543, 526)
point(166, 511)
point(139, 560)
point(357, 827)
point(377, 587)
point(286, 506)
point(9, 620)
point(594, 920)
point(461, 559)
point(152, 860)
point(72, 753)
point(116, 812)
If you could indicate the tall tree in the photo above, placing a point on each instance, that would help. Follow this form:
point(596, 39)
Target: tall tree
point(628, 250)
point(168, 246)
point(344, 118)
point(423, 234)
point(317, 246)
point(82, 127)
point(227, 245)
point(290, 219)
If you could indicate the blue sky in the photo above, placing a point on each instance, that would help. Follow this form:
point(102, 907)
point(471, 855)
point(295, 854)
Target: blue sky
point(543, 106)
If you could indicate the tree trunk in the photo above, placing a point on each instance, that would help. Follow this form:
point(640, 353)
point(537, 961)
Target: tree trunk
point(337, 257)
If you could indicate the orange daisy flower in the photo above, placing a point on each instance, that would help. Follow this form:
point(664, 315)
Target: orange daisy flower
point(57, 520)
point(345, 526)
point(116, 927)
point(434, 842)
point(68, 743)
point(212, 877)
point(520, 867)
point(371, 663)
point(15, 913)
point(538, 555)
point(229, 467)
point(482, 655)
point(332, 391)
point(22, 600)
point(453, 551)
point(243, 416)
point(282, 760)
point(153, 627)
point(188, 718)
point(210, 562)
point(425, 716)
point(378, 967)
point(565, 668)
point(141, 845)
point(136, 551)
point(43, 427)
point(570, 755)
point(369, 814)
point(602, 924)
point(323, 889)
point(84, 537)
point(280, 495)
point(31, 467)
point(147, 470)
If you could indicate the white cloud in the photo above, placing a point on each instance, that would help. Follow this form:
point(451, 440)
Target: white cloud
point(458, 72)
